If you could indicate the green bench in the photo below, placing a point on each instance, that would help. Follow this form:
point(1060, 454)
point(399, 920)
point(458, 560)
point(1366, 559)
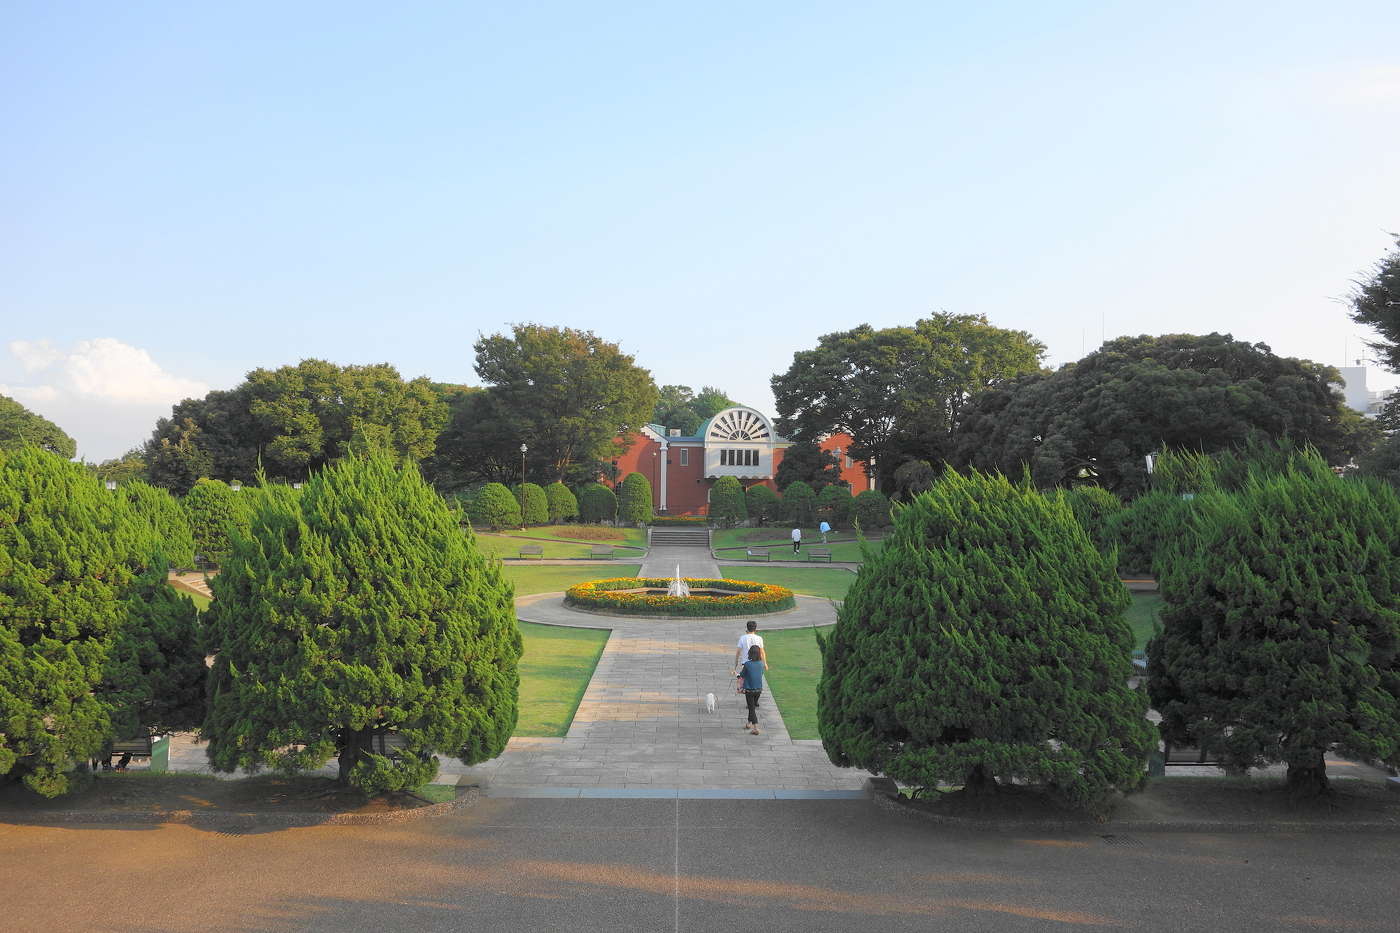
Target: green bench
point(532, 550)
point(819, 553)
point(757, 554)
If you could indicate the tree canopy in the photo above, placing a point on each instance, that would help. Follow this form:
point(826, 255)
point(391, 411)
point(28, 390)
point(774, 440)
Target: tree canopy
point(678, 407)
point(355, 610)
point(806, 462)
point(1376, 303)
point(293, 420)
point(899, 391)
point(1098, 418)
point(20, 426)
point(572, 394)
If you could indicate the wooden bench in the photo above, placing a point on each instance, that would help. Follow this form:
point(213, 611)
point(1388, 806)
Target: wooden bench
point(760, 554)
point(1184, 756)
point(139, 747)
point(600, 550)
point(819, 553)
point(532, 550)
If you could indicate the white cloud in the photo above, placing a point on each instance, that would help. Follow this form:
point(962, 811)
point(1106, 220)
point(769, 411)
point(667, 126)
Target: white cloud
point(118, 372)
point(1368, 85)
point(34, 355)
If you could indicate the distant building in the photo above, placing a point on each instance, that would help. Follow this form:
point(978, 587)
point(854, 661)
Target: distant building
point(1368, 402)
point(737, 442)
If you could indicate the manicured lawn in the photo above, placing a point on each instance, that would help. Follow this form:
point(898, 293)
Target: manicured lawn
point(1142, 616)
point(534, 578)
point(809, 581)
point(200, 602)
point(505, 546)
point(729, 542)
point(794, 669)
point(554, 672)
point(588, 534)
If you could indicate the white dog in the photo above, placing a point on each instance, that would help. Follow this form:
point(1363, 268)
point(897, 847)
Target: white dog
point(709, 702)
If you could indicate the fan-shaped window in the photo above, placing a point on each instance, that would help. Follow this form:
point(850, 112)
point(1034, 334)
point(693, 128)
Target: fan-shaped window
point(738, 424)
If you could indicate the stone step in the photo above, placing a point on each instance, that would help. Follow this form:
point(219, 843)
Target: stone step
point(680, 537)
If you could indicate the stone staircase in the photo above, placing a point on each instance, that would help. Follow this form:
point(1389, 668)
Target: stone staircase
point(680, 537)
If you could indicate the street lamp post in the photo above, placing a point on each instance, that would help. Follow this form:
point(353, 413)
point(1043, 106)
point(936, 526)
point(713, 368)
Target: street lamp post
point(523, 448)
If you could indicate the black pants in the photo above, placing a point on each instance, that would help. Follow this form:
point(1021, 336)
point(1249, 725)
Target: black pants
point(796, 546)
point(751, 698)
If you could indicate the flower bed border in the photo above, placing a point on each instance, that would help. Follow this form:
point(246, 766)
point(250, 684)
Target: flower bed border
point(751, 598)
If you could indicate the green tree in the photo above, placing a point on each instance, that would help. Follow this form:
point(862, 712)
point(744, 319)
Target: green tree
point(634, 502)
point(1384, 461)
point(761, 502)
point(799, 505)
point(1143, 528)
point(69, 551)
point(563, 506)
point(1375, 302)
point(835, 504)
point(680, 408)
point(913, 477)
point(899, 391)
point(727, 502)
point(495, 507)
point(1281, 624)
point(1094, 509)
point(178, 458)
point(805, 462)
point(165, 519)
point(359, 609)
point(596, 503)
point(129, 466)
point(215, 514)
point(534, 504)
point(949, 663)
point(478, 445)
point(572, 394)
point(1097, 419)
point(20, 426)
point(872, 509)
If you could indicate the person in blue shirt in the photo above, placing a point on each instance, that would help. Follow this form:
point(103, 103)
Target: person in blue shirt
point(750, 677)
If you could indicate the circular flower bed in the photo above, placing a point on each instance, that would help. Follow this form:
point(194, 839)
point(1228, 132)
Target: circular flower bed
point(629, 596)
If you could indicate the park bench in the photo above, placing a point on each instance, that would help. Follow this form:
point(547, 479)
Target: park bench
point(532, 550)
point(757, 554)
point(139, 747)
point(600, 550)
point(1184, 756)
point(819, 553)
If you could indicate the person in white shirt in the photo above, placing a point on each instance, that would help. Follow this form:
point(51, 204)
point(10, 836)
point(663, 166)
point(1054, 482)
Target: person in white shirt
point(749, 639)
point(796, 540)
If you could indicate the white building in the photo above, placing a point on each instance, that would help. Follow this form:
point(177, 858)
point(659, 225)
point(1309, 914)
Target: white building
point(1368, 402)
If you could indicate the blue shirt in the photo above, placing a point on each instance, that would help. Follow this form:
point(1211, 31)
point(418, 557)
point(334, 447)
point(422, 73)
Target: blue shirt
point(752, 675)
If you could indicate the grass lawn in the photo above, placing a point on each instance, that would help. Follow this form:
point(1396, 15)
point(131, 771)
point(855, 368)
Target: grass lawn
point(534, 578)
point(200, 602)
point(781, 544)
point(809, 581)
point(589, 534)
point(504, 546)
point(554, 673)
point(1142, 616)
point(794, 668)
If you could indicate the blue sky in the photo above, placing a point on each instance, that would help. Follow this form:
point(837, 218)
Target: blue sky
point(191, 191)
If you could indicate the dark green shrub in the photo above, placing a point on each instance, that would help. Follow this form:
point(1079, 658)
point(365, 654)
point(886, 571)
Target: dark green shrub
point(1280, 624)
point(680, 521)
point(168, 522)
point(799, 505)
point(761, 502)
point(634, 502)
point(836, 505)
point(356, 610)
point(986, 641)
point(534, 504)
point(215, 514)
point(596, 503)
point(727, 502)
point(494, 507)
point(1093, 508)
point(563, 507)
point(872, 510)
point(1143, 527)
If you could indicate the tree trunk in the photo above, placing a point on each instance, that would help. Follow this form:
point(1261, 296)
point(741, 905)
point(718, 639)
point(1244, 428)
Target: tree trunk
point(1307, 775)
point(979, 783)
point(354, 744)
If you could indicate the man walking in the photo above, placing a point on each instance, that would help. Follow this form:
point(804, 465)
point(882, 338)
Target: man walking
point(750, 639)
point(796, 540)
point(824, 528)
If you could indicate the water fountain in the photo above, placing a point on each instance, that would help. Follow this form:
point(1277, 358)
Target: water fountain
point(678, 587)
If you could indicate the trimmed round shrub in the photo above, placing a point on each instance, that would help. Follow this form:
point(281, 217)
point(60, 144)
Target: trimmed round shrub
point(596, 503)
point(534, 504)
point(872, 510)
point(749, 598)
point(1281, 623)
point(761, 502)
point(985, 642)
point(835, 504)
point(563, 507)
point(799, 505)
point(727, 502)
point(634, 502)
point(494, 506)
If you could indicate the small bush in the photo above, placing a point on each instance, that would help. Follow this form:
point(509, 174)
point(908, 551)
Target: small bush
point(761, 503)
point(494, 507)
point(1093, 508)
point(872, 510)
point(800, 505)
point(634, 504)
point(1143, 529)
point(563, 506)
point(835, 504)
point(596, 503)
point(727, 502)
point(534, 504)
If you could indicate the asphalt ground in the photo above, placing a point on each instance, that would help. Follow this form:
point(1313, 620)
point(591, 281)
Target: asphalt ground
point(687, 865)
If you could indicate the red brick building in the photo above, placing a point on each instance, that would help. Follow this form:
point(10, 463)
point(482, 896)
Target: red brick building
point(737, 442)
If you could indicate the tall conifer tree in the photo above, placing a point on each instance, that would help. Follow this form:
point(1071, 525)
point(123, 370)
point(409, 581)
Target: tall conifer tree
point(358, 609)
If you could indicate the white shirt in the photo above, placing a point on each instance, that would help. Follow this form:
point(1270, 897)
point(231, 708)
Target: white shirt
point(797, 534)
point(747, 641)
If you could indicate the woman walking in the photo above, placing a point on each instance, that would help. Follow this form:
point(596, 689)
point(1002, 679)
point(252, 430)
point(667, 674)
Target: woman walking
point(750, 678)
